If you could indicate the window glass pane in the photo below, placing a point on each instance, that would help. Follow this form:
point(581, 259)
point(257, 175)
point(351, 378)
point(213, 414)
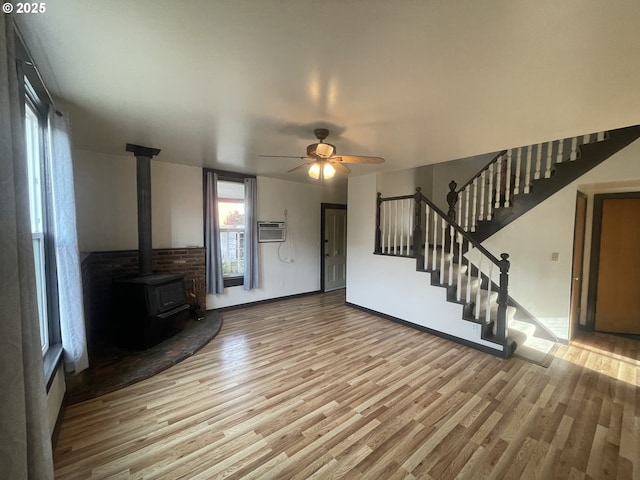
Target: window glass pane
point(231, 216)
point(34, 163)
point(36, 209)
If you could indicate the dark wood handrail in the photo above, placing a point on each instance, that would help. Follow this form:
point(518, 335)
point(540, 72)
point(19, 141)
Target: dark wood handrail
point(399, 197)
point(486, 167)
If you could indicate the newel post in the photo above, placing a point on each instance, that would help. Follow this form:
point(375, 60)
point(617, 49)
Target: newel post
point(503, 297)
point(417, 229)
point(452, 200)
point(378, 245)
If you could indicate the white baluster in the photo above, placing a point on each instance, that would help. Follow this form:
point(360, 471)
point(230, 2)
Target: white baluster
point(459, 287)
point(382, 220)
point(498, 182)
point(459, 212)
point(402, 225)
point(478, 293)
point(387, 226)
point(482, 194)
point(600, 136)
point(574, 149)
point(586, 138)
point(410, 230)
point(466, 208)
point(395, 230)
point(536, 175)
point(490, 193)
point(527, 173)
point(427, 210)
point(451, 240)
point(435, 240)
point(507, 182)
point(443, 227)
point(488, 306)
point(560, 156)
point(468, 296)
point(475, 205)
point(516, 189)
point(547, 172)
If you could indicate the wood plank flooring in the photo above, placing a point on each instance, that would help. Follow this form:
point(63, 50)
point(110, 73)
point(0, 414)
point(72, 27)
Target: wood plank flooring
point(309, 388)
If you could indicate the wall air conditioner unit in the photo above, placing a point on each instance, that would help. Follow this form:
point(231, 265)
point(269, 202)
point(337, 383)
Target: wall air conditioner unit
point(271, 232)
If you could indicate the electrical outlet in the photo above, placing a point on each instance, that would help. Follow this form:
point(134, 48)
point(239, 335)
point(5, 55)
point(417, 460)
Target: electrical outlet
point(555, 257)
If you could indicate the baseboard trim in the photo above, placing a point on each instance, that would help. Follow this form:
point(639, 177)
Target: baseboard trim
point(267, 300)
point(446, 336)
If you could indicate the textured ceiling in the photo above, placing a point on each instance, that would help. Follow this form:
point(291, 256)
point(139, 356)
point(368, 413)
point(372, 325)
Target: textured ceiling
point(215, 83)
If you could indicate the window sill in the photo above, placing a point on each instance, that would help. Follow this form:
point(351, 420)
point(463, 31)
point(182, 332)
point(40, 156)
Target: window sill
point(233, 281)
point(51, 361)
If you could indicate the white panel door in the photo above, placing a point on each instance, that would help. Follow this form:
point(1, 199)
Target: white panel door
point(335, 249)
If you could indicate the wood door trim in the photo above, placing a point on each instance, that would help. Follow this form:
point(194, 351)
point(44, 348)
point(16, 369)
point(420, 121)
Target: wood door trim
point(323, 209)
point(574, 323)
point(594, 260)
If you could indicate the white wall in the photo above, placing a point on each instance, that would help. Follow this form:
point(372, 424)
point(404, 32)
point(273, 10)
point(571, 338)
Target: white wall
point(55, 396)
point(107, 219)
point(392, 285)
point(459, 170)
point(404, 182)
point(278, 278)
point(106, 203)
point(541, 286)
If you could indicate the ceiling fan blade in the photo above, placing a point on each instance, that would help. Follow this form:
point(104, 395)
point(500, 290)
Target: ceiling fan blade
point(299, 167)
point(357, 159)
point(340, 168)
point(283, 156)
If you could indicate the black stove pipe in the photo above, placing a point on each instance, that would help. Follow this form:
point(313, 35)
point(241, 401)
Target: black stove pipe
point(143, 174)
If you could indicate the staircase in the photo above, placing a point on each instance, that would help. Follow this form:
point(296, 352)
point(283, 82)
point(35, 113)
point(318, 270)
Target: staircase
point(488, 202)
point(448, 245)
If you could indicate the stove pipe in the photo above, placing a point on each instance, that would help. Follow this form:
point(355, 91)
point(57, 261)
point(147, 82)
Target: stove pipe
point(143, 174)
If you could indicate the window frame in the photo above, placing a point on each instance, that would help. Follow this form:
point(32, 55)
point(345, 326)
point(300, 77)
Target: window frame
point(34, 94)
point(226, 176)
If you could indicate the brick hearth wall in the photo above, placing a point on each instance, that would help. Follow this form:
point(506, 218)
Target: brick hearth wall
point(100, 268)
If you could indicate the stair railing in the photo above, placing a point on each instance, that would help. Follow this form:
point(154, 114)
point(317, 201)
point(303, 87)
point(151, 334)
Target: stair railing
point(413, 226)
point(511, 172)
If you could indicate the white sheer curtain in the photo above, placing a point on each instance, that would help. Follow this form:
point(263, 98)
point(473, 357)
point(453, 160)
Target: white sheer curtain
point(251, 271)
point(25, 441)
point(65, 235)
point(215, 282)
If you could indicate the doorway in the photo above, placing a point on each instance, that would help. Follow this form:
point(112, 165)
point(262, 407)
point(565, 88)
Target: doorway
point(578, 258)
point(615, 264)
point(333, 250)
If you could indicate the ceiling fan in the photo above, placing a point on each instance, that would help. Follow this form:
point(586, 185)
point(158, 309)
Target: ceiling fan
point(322, 159)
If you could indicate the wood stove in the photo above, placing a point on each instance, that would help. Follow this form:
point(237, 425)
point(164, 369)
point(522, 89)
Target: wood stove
point(148, 307)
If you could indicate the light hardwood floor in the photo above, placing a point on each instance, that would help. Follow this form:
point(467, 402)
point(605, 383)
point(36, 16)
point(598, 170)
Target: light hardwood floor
point(311, 388)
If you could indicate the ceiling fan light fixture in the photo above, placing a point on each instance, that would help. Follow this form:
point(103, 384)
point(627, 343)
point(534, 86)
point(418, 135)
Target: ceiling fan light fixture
point(314, 171)
point(328, 171)
point(324, 150)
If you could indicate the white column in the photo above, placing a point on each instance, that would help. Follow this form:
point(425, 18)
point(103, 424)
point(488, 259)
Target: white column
point(483, 197)
point(490, 202)
point(574, 149)
point(536, 175)
point(516, 189)
point(507, 182)
point(547, 172)
point(475, 205)
point(498, 182)
point(560, 156)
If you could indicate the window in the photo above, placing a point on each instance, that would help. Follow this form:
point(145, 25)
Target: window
point(225, 229)
point(231, 214)
point(35, 171)
point(36, 127)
